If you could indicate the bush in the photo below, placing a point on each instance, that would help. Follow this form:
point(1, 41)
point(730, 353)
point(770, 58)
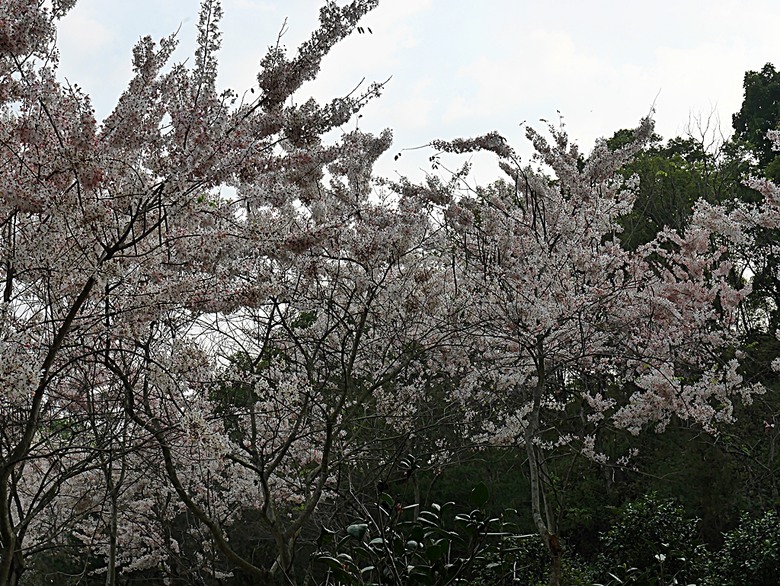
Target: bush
point(434, 546)
point(750, 554)
point(651, 542)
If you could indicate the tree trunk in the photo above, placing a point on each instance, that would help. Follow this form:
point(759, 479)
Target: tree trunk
point(112, 546)
point(556, 558)
point(544, 521)
point(283, 569)
point(12, 561)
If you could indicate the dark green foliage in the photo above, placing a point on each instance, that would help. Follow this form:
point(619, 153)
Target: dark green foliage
point(651, 542)
point(499, 468)
point(760, 112)
point(527, 563)
point(673, 177)
point(763, 301)
point(399, 544)
point(750, 555)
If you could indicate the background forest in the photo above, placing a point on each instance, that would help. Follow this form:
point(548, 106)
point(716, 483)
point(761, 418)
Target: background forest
point(231, 354)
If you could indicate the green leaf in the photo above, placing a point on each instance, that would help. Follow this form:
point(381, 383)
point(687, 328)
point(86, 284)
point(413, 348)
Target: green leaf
point(436, 551)
point(358, 530)
point(325, 533)
point(429, 515)
point(420, 575)
point(479, 495)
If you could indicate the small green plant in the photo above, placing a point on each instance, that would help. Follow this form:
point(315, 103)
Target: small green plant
point(651, 543)
point(403, 545)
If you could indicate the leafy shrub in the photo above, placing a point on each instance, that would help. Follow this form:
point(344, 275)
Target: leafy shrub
point(436, 546)
point(523, 560)
point(652, 542)
point(750, 554)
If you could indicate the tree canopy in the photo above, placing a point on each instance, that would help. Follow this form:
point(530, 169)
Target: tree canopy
point(222, 335)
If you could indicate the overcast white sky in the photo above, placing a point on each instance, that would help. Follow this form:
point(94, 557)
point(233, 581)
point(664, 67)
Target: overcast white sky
point(465, 67)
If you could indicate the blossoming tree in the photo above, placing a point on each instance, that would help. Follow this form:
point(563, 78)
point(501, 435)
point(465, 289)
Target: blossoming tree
point(570, 326)
point(117, 241)
point(170, 347)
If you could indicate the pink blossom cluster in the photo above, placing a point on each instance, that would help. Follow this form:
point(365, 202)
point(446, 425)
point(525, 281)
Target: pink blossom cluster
point(211, 313)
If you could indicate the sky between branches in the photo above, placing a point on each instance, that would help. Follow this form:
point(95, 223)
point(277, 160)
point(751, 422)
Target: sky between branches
point(465, 67)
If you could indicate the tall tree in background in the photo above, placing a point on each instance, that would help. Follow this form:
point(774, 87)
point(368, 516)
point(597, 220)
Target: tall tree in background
point(755, 124)
point(760, 113)
point(675, 174)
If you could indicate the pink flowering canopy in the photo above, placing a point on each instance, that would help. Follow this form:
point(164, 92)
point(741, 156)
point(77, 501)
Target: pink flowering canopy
point(561, 301)
point(566, 332)
point(211, 312)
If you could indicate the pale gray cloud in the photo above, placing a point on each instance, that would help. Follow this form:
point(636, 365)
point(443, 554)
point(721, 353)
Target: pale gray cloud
point(460, 67)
